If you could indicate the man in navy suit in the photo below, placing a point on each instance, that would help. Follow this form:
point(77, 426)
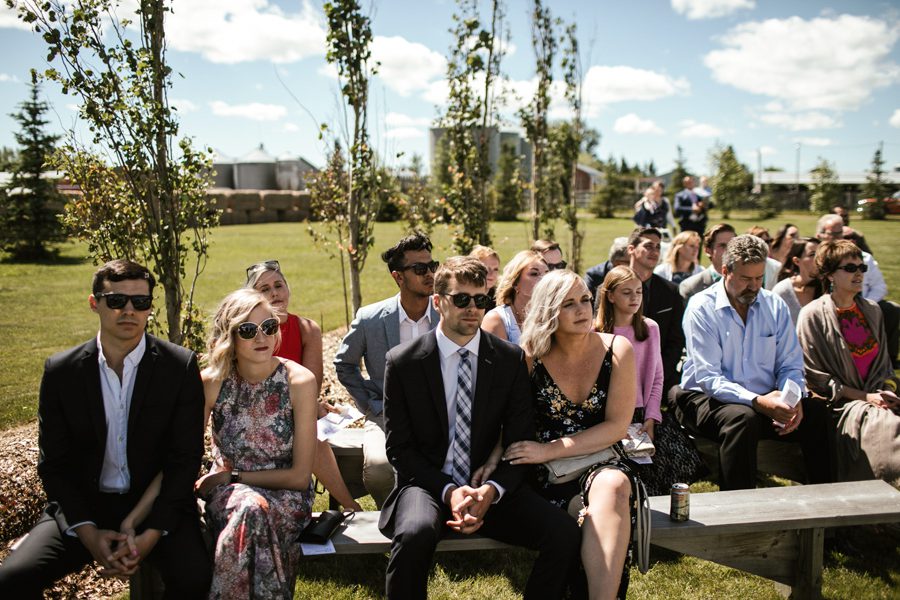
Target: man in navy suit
point(114, 412)
point(449, 396)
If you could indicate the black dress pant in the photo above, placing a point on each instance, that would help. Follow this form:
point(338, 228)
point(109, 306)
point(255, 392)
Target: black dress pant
point(891, 312)
point(48, 554)
point(738, 428)
point(520, 518)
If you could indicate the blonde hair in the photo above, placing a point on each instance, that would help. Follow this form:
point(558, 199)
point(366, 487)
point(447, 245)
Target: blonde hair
point(606, 317)
point(542, 320)
point(681, 240)
point(506, 287)
point(234, 309)
point(260, 269)
point(482, 252)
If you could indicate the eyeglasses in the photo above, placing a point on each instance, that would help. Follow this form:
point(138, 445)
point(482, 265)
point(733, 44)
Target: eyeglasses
point(554, 266)
point(116, 300)
point(462, 300)
point(248, 330)
point(269, 265)
point(421, 268)
point(853, 268)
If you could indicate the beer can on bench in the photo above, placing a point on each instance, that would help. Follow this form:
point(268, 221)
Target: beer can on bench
point(681, 502)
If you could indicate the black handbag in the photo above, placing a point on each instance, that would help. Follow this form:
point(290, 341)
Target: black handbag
point(320, 529)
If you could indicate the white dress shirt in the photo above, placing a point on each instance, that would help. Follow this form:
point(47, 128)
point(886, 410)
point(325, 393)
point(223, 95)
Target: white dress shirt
point(409, 329)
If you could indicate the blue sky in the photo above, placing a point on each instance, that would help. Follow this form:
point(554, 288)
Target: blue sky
point(761, 75)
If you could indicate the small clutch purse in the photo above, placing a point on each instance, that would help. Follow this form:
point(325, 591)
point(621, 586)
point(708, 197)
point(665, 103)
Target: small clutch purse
point(320, 529)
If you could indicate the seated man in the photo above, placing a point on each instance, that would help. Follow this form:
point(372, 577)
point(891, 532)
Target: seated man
point(449, 395)
point(551, 252)
point(113, 413)
point(741, 349)
point(714, 243)
point(376, 329)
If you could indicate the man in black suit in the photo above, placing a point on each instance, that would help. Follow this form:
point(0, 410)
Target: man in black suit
point(449, 395)
point(114, 412)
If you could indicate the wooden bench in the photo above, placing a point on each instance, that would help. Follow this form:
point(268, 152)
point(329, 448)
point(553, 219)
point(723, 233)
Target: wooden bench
point(776, 533)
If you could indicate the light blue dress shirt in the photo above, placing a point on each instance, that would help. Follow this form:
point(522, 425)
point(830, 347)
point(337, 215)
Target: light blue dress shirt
point(733, 361)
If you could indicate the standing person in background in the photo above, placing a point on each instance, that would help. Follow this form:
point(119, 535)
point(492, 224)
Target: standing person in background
point(799, 282)
point(520, 276)
point(690, 208)
point(491, 261)
point(682, 260)
point(259, 491)
point(301, 342)
point(653, 210)
point(782, 242)
point(376, 329)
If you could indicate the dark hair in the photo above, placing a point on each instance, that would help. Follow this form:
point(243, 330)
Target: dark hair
point(639, 232)
point(544, 246)
point(709, 238)
point(830, 255)
point(120, 270)
point(465, 269)
point(781, 234)
point(393, 256)
point(798, 247)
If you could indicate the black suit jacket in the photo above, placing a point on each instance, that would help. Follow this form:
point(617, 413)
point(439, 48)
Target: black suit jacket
point(165, 431)
point(664, 304)
point(416, 420)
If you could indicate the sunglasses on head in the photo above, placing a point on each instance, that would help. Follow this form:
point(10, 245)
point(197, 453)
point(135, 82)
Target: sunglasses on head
point(554, 266)
point(853, 268)
point(421, 268)
point(269, 265)
point(248, 330)
point(116, 300)
point(462, 300)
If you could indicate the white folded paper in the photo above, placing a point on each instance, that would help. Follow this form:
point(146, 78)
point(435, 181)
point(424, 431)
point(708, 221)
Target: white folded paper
point(331, 423)
point(791, 393)
point(314, 549)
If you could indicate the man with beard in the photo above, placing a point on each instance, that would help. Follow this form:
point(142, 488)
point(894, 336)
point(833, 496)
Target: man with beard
point(741, 351)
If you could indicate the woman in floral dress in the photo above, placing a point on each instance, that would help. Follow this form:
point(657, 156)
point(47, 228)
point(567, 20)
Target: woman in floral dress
point(583, 383)
point(259, 492)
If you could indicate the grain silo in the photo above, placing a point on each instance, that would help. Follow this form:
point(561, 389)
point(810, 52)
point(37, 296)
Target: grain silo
point(223, 166)
point(290, 172)
point(255, 171)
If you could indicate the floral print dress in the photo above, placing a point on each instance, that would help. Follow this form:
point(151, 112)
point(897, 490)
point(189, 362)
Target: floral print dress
point(256, 529)
point(556, 416)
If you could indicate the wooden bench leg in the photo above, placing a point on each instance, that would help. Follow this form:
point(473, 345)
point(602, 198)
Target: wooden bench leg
point(808, 585)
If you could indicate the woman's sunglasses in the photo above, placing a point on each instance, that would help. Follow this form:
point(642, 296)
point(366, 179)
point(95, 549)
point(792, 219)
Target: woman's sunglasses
point(851, 268)
point(116, 300)
point(269, 265)
point(248, 330)
point(421, 268)
point(462, 300)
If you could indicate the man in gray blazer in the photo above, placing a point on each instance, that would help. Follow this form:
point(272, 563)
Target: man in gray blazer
point(376, 329)
point(714, 243)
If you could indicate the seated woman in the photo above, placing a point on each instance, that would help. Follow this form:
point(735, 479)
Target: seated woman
point(513, 293)
point(681, 260)
point(583, 384)
point(259, 491)
point(783, 242)
point(846, 361)
point(301, 342)
point(798, 281)
point(491, 261)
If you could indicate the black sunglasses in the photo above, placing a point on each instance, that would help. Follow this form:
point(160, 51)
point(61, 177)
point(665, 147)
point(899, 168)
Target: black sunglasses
point(269, 265)
point(554, 266)
point(851, 268)
point(116, 300)
point(248, 330)
point(462, 300)
point(421, 268)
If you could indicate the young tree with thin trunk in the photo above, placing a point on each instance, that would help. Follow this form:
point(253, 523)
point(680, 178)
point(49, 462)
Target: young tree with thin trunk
point(732, 181)
point(569, 142)
point(825, 191)
point(117, 69)
point(875, 187)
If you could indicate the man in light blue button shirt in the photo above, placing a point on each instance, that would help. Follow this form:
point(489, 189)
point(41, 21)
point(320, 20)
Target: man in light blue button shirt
point(741, 351)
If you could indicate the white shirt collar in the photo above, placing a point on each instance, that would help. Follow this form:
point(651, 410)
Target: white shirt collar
point(132, 359)
point(448, 347)
point(405, 317)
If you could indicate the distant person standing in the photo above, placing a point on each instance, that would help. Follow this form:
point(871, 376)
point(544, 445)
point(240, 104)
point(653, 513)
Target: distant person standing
point(691, 208)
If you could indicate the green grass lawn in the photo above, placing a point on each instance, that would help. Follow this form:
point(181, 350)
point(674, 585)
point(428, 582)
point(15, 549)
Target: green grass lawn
point(44, 309)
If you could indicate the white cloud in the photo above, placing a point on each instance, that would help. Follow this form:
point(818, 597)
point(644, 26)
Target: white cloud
point(183, 105)
point(5, 78)
point(437, 92)
point(631, 123)
point(803, 121)
point(9, 20)
point(813, 141)
point(405, 133)
point(895, 118)
point(291, 127)
point(767, 150)
point(710, 9)
point(234, 31)
point(606, 84)
point(328, 70)
point(406, 67)
point(691, 128)
point(255, 111)
point(830, 62)
point(393, 119)
point(73, 107)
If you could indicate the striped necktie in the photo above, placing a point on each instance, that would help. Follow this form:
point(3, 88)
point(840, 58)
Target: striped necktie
point(462, 442)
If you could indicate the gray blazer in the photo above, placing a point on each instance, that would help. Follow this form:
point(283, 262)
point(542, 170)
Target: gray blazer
point(695, 283)
point(374, 331)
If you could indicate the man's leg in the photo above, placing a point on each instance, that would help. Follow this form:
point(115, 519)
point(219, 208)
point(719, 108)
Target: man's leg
point(736, 427)
point(418, 526)
point(378, 474)
point(891, 312)
point(43, 557)
point(183, 561)
point(815, 436)
point(523, 518)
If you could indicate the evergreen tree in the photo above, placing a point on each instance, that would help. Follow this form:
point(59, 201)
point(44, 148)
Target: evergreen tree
point(507, 188)
point(30, 203)
point(680, 171)
point(825, 191)
point(8, 159)
point(611, 192)
point(875, 187)
point(732, 181)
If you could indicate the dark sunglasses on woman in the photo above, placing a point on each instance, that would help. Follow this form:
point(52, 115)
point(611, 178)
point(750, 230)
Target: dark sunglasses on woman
point(852, 268)
point(462, 300)
point(116, 300)
point(248, 330)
